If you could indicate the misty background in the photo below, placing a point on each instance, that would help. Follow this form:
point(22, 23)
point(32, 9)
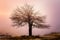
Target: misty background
point(49, 8)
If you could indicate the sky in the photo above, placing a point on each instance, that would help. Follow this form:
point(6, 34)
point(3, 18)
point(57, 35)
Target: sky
point(49, 8)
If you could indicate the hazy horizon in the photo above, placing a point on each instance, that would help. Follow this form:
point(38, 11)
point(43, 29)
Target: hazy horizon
point(50, 8)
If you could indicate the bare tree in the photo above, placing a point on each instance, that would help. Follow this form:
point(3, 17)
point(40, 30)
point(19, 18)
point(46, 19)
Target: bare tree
point(26, 15)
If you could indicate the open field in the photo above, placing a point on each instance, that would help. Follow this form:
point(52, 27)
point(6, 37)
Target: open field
point(31, 38)
point(51, 36)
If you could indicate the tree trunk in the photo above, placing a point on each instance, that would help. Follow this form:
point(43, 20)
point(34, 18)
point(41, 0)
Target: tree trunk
point(30, 29)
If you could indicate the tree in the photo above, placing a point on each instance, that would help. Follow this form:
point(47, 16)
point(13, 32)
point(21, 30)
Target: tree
point(26, 15)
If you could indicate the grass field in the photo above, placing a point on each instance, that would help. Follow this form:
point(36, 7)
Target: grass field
point(52, 36)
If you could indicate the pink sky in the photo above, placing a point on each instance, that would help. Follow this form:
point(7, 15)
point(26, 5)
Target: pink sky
point(51, 8)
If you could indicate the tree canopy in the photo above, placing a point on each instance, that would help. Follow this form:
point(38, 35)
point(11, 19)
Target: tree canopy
point(25, 15)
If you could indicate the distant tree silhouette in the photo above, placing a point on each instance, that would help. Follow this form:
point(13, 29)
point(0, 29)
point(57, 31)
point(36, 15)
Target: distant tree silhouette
point(26, 15)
